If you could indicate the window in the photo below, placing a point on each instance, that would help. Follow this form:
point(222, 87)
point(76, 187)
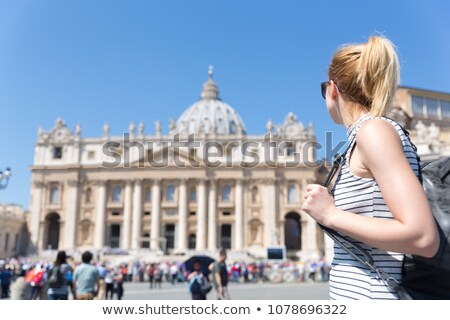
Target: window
point(147, 213)
point(57, 153)
point(445, 109)
point(6, 242)
point(54, 195)
point(418, 105)
point(85, 228)
point(148, 195)
point(193, 195)
point(432, 108)
point(88, 195)
point(115, 213)
point(91, 155)
point(292, 194)
point(290, 148)
point(170, 193)
point(192, 213)
point(226, 213)
point(226, 194)
point(16, 242)
point(233, 127)
point(255, 194)
point(225, 236)
point(146, 243)
point(192, 241)
point(117, 193)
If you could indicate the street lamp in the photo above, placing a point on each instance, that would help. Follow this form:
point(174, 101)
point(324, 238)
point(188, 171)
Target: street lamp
point(4, 178)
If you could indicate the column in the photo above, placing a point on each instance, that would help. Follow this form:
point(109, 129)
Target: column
point(156, 215)
point(201, 222)
point(212, 216)
point(270, 206)
point(239, 222)
point(37, 189)
point(182, 216)
point(99, 240)
point(127, 217)
point(137, 216)
point(70, 218)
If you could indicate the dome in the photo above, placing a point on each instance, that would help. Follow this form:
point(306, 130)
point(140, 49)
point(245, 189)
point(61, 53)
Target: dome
point(210, 115)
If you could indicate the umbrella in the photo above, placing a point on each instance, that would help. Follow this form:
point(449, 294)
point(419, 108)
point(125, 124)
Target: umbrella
point(205, 261)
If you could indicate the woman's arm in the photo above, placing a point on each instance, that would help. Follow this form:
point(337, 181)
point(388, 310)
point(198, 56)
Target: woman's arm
point(413, 229)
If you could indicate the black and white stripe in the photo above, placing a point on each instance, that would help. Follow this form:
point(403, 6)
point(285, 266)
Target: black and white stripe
point(349, 279)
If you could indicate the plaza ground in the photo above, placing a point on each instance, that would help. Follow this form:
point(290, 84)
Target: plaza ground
point(264, 291)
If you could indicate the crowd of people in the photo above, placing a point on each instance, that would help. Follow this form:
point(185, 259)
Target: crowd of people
point(64, 278)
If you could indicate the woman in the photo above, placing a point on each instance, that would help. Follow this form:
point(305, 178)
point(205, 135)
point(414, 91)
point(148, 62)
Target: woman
point(57, 278)
point(378, 199)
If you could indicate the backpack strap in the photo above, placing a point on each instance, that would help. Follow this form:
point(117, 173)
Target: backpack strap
point(406, 132)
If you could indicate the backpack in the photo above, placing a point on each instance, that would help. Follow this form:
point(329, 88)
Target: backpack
point(37, 279)
point(199, 286)
point(57, 278)
point(422, 278)
point(429, 278)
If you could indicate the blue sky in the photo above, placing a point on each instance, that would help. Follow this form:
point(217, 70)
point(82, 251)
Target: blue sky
point(92, 62)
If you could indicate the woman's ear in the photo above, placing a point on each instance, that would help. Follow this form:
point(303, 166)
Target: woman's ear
point(334, 92)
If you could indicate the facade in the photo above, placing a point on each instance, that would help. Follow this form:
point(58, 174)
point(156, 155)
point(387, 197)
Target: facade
point(426, 115)
point(13, 234)
point(205, 184)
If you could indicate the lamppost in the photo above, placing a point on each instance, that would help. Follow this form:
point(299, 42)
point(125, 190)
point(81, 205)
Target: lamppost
point(4, 178)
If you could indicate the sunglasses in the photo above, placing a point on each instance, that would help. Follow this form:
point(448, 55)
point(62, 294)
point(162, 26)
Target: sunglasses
point(324, 86)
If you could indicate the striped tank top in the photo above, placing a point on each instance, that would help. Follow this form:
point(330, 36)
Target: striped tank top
point(349, 279)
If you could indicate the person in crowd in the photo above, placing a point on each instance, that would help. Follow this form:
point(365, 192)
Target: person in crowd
point(220, 276)
point(119, 279)
point(36, 277)
point(86, 278)
point(57, 278)
point(5, 280)
point(20, 288)
point(109, 282)
point(102, 271)
point(197, 281)
point(151, 275)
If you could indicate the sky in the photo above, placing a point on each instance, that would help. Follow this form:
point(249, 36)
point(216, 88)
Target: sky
point(95, 62)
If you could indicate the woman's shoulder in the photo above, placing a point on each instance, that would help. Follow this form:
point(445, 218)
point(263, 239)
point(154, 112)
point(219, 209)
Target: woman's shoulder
point(378, 130)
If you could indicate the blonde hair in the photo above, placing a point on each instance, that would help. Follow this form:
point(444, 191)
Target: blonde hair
point(367, 74)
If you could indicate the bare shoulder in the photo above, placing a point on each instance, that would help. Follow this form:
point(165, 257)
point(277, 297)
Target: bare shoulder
point(377, 132)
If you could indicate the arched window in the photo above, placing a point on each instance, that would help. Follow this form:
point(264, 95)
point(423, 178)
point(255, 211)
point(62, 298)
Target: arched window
point(88, 195)
point(54, 194)
point(170, 193)
point(292, 194)
point(226, 191)
point(117, 193)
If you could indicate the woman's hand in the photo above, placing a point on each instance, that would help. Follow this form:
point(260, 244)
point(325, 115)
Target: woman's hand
point(319, 204)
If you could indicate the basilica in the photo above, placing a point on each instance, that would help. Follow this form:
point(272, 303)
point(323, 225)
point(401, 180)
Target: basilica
point(204, 184)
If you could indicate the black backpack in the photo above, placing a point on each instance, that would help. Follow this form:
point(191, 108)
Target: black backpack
point(429, 278)
point(423, 278)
